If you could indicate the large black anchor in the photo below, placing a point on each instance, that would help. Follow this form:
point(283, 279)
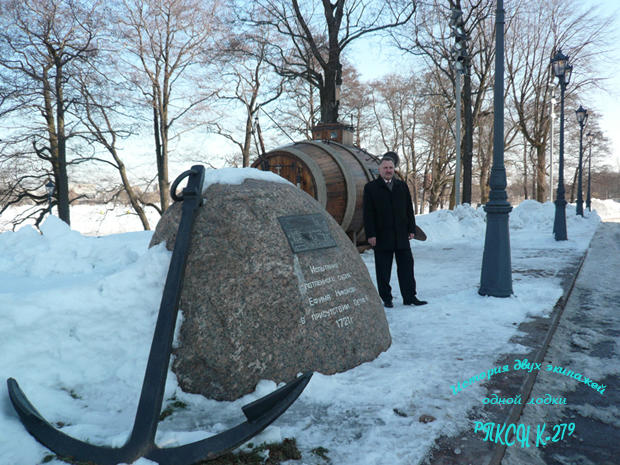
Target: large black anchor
point(141, 442)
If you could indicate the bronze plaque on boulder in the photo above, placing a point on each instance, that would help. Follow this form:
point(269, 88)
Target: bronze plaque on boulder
point(273, 287)
point(306, 232)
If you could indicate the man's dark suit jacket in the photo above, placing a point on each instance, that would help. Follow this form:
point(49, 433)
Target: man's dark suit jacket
point(388, 216)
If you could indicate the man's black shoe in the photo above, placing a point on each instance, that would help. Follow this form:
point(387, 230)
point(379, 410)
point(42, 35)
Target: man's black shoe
point(388, 304)
point(416, 302)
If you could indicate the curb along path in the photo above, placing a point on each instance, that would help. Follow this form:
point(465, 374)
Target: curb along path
point(535, 334)
point(526, 388)
point(586, 344)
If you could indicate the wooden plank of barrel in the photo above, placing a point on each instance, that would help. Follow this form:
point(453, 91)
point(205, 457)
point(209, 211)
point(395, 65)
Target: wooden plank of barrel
point(332, 173)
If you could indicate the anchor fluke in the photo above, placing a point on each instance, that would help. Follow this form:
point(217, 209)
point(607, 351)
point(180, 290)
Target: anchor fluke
point(268, 404)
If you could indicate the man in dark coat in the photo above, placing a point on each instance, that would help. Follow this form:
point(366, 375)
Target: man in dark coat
point(389, 224)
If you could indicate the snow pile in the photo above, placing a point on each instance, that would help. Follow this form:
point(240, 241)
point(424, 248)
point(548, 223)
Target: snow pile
point(60, 250)
point(608, 209)
point(462, 223)
point(78, 314)
point(530, 214)
point(536, 215)
point(467, 223)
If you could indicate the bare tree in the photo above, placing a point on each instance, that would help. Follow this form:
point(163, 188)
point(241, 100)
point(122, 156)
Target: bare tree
point(429, 37)
point(102, 116)
point(605, 184)
point(319, 32)
point(43, 45)
point(412, 118)
point(299, 109)
point(540, 29)
point(248, 82)
point(167, 41)
point(437, 137)
point(356, 105)
point(397, 104)
point(484, 152)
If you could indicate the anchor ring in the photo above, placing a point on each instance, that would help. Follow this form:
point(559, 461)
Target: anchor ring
point(173, 187)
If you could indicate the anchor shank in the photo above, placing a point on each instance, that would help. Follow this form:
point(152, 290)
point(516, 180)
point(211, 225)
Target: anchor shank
point(153, 386)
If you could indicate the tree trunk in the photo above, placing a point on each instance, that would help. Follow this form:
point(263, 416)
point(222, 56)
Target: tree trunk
point(52, 136)
point(247, 141)
point(435, 191)
point(329, 104)
point(524, 168)
point(160, 157)
point(452, 203)
point(133, 198)
point(251, 110)
point(62, 183)
point(573, 188)
point(485, 156)
point(63, 180)
point(485, 173)
point(468, 144)
point(541, 174)
point(424, 188)
point(164, 184)
point(414, 194)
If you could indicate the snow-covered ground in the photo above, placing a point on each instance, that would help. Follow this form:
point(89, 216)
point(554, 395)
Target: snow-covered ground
point(77, 314)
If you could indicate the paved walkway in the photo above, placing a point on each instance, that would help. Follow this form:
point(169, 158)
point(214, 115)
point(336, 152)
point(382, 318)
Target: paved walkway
point(587, 342)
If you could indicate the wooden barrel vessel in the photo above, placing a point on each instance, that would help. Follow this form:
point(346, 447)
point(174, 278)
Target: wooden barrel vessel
point(332, 173)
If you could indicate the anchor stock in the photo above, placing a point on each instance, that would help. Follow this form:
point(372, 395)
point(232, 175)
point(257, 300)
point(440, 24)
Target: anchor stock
point(141, 442)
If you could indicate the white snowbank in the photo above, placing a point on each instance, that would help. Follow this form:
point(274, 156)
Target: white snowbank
point(78, 313)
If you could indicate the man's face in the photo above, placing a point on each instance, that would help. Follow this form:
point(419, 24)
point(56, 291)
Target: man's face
point(386, 170)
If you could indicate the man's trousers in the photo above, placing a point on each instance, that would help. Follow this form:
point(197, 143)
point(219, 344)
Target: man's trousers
point(404, 269)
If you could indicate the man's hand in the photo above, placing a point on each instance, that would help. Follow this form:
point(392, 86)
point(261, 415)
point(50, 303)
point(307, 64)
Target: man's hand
point(411, 236)
point(372, 241)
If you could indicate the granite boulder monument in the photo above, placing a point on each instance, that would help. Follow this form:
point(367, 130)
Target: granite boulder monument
point(273, 287)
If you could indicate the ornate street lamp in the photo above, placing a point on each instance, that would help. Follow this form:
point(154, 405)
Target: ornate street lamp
point(552, 118)
point(496, 275)
point(50, 191)
point(588, 198)
point(562, 70)
point(582, 118)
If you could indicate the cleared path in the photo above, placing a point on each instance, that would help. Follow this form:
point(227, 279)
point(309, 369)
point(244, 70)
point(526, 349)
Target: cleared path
point(587, 341)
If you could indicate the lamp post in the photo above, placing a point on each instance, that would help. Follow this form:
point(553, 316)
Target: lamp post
point(459, 54)
point(582, 118)
point(562, 70)
point(552, 117)
point(50, 191)
point(588, 198)
point(496, 274)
